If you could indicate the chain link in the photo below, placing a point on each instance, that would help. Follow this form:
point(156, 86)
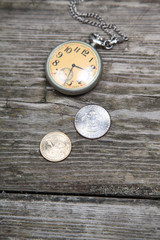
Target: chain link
point(116, 36)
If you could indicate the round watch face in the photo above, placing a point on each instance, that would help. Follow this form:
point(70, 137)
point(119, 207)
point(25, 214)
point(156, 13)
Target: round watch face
point(73, 67)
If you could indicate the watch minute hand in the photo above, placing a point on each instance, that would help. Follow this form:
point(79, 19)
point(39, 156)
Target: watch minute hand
point(69, 73)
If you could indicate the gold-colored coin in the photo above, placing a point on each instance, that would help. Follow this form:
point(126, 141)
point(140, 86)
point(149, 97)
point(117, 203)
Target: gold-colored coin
point(55, 146)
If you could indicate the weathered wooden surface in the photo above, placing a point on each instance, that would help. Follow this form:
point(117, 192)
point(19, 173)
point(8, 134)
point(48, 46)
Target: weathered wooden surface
point(125, 161)
point(48, 217)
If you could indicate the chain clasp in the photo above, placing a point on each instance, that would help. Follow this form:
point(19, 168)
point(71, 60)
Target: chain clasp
point(97, 40)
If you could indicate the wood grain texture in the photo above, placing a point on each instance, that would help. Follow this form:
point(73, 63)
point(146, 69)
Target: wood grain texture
point(125, 162)
point(59, 217)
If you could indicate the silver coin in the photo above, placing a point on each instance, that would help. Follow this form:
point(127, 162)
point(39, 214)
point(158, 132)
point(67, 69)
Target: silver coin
point(92, 121)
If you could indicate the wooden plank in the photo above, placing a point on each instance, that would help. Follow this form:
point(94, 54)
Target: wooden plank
point(126, 160)
point(64, 217)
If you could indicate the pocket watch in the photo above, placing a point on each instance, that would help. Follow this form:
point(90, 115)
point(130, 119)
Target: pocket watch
point(75, 67)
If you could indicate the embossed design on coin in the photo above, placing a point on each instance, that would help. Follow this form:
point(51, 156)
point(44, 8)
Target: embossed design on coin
point(92, 121)
point(55, 146)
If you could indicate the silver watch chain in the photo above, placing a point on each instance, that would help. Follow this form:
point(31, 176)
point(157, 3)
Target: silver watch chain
point(116, 36)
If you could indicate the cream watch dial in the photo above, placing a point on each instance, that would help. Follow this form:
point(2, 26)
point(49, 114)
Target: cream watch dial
point(73, 67)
